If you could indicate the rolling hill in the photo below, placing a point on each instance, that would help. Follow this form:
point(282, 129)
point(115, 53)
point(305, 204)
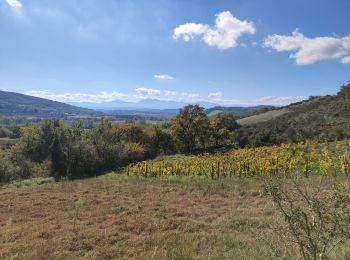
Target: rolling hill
point(262, 117)
point(239, 111)
point(324, 118)
point(15, 104)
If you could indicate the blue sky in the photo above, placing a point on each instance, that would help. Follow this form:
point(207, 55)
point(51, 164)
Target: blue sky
point(237, 52)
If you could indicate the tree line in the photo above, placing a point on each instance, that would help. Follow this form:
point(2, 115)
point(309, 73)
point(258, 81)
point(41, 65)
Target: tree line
point(60, 150)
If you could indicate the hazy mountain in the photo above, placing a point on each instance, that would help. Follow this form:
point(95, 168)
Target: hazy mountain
point(143, 104)
point(144, 113)
point(15, 104)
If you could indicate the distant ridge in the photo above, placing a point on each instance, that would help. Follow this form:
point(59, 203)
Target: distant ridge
point(324, 118)
point(16, 104)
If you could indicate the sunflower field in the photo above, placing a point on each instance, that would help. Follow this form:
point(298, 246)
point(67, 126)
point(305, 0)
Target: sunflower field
point(305, 159)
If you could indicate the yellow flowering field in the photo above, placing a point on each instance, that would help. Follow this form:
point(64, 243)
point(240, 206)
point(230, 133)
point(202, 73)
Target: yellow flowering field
point(306, 159)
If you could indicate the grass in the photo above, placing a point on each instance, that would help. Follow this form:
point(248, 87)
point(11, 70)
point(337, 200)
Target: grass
point(132, 218)
point(251, 120)
point(26, 183)
point(115, 216)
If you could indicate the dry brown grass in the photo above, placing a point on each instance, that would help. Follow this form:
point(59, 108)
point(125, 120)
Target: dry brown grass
point(122, 218)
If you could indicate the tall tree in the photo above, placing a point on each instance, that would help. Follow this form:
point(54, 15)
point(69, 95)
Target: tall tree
point(161, 141)
point(57, 156)
point(190, 128)
point(223, 126)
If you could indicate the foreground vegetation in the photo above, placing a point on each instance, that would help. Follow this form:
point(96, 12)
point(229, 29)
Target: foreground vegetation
point(114, 217)
point(258, 202)
point(262, 203)
point(119, 217)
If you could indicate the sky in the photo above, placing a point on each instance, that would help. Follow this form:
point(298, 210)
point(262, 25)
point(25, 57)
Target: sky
point(230, 52)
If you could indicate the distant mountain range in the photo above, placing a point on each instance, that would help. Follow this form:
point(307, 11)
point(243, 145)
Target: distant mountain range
point(15, 104)
point(143, 104)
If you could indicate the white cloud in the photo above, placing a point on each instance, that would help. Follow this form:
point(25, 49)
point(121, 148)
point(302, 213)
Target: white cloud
point(278, 101)
point(163, 77)
point(223, 35)
point(170, 93)
point(310, 50)
point(345, 60)
point(270, 100)
point(190, 96)
point(78, 97)
point(189, 31)
point(148, 92)
point(215, 95)
point(216, 98)
point(15, 4)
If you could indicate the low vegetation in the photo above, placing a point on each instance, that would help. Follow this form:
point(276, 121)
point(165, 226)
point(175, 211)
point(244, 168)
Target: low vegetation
point(119, 217)
point(275, 188)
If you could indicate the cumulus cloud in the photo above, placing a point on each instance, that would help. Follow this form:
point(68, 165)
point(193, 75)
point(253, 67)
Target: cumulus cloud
point(148, 92)
point(100, 97)
point(310, 50)
point(223, 35)
point(345, 60)
point(163, 77)
point(15, 4)
point(191, 96)
point(170, 93)
point(215, 95)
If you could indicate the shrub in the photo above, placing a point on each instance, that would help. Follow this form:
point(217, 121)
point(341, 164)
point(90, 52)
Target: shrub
point(82, 160)
point(8, 171)
point(132, 152)
point(41, 170)
point(317, 219)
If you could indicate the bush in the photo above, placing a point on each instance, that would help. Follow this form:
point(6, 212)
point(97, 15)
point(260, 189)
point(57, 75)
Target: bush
point(41, 170)
point(8, 171)
point(4, 132)
point(316, 217)
point(82, 160)
point(132, 152)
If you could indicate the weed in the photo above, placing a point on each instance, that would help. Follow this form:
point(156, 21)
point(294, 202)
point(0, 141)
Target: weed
point(8, 230)
point(163, 210)
point(77, 208)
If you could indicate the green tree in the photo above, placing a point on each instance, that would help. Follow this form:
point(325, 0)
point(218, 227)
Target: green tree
point(190, 128)
point(58, 157)
point(161, 141)
point(107, 144)
point(223, 126)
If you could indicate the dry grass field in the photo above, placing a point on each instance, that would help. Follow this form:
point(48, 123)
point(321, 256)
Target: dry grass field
point(120, 217)
point(123, 218)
